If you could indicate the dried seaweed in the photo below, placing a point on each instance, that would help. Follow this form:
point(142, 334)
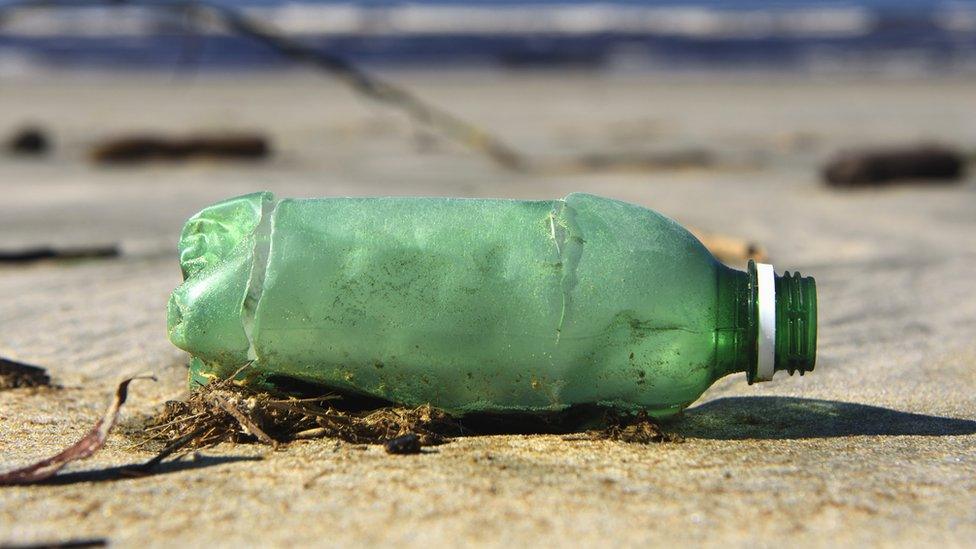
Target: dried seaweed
point(228, 412)
point(639, 429)
point(632, 428)
point(88, 445)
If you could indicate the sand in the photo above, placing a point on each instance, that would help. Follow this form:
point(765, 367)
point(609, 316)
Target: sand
point(876, 447)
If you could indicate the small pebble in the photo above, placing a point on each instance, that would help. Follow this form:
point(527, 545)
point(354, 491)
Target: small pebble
point(407, 444)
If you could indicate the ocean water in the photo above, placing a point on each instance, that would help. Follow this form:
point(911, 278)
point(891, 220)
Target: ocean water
point(864, 35)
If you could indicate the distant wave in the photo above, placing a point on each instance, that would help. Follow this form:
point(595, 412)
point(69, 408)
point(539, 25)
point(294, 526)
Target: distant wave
point(927, 36)
point(566, 19)
point(407, 20)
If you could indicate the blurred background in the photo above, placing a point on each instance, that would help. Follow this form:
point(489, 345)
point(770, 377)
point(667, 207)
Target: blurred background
point(196, 101)
point(835, 138)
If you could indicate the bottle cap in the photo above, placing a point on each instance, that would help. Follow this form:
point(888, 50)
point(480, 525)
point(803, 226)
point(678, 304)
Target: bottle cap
point(766, 359)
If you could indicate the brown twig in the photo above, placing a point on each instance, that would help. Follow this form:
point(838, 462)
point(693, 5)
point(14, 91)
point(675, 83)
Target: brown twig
point(88, 445)
point(249, 426)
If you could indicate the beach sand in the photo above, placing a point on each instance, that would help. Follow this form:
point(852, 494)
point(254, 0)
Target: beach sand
point(877, 446)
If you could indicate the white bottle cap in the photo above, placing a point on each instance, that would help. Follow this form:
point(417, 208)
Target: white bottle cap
point(766, 278)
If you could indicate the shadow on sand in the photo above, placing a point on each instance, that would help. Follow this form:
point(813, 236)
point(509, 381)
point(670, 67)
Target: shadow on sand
point(740, 418)
point(128, 472)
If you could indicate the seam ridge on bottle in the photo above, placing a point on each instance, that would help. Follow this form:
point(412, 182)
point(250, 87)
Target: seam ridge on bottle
point(260, 256)
point(568, 241)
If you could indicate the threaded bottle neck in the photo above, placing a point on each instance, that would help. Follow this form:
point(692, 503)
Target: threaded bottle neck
point(789, 324)
point(796, 323)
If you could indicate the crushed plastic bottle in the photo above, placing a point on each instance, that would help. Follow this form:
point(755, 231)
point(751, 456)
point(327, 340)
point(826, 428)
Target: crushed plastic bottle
point(479, 305)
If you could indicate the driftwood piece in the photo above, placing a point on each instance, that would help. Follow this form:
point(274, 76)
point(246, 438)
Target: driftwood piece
point(880, 166)
point(30, 255)
point(143, 148)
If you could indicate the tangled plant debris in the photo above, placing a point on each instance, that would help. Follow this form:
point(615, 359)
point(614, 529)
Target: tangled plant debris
point(227, 412)
point(640, 430)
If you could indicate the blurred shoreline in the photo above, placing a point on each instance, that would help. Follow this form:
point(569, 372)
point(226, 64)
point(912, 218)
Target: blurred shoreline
point(852, 37)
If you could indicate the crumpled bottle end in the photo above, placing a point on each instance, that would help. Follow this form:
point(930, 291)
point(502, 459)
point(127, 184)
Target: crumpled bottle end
point(216, 230)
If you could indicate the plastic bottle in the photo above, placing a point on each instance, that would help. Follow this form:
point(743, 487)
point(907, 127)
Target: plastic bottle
point(479, 305)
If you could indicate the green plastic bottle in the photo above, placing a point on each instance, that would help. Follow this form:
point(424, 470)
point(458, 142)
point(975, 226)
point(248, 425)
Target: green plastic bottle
point(479, 305)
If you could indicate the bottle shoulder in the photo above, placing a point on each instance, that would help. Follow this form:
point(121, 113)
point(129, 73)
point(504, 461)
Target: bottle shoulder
point(640, 230)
